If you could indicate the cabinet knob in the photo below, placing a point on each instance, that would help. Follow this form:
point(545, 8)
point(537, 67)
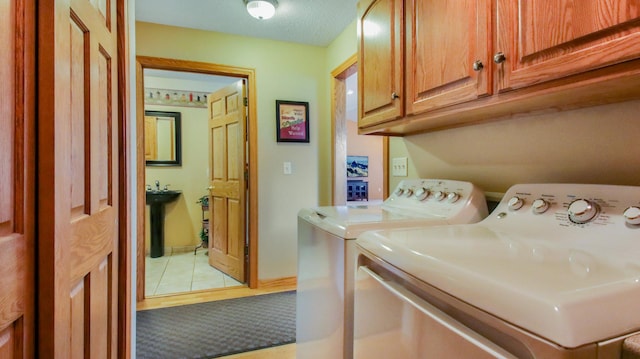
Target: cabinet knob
point(211, 188)
point(394, 96)
point(477, 65)
point(499, 58)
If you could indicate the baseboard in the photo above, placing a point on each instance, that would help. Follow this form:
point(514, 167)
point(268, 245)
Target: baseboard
point(285, 282)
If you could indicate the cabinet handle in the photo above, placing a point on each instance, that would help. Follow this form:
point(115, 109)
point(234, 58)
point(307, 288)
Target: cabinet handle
point(499, 58)
point(477, 65)
point(394, 96)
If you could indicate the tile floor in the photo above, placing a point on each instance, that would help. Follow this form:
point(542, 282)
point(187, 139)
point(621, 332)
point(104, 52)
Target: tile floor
point(183, 272)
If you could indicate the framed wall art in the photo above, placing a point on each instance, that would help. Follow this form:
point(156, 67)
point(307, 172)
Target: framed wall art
point(357, 166)
point(292, 121)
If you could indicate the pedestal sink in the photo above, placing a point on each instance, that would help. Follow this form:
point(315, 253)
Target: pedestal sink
point(157, 200)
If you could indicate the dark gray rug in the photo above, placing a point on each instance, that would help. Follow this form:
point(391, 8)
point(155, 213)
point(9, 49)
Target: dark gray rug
point(215, 329)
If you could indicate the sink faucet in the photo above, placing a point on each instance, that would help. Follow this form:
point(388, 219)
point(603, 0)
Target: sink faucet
point(157, 185)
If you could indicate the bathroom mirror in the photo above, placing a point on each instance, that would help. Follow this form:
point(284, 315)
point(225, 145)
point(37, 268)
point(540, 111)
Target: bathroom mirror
point(162, 145)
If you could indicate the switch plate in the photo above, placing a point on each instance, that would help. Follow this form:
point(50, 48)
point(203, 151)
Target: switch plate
point(399, 167)
point(286, 168)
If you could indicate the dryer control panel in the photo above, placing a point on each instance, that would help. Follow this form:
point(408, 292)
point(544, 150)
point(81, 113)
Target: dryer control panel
point(571, 205)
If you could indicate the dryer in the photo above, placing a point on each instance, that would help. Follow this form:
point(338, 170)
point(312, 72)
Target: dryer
point(553, 272)
point(326, 257)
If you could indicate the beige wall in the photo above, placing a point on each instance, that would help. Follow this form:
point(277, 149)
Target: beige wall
point(589, 145)
point(284, 71)
point(371, 146)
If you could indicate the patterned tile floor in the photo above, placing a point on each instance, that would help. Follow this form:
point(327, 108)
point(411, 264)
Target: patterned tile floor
point(183, 272)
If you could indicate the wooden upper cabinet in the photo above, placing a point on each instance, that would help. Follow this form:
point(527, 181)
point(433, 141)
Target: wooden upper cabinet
point(380, 61)
point(443, 41)
point(545, 40)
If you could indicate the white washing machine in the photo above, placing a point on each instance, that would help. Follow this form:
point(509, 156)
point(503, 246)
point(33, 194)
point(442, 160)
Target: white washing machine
point(326, 257)
point(553, 272)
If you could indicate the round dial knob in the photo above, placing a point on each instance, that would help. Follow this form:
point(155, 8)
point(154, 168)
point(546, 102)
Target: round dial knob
point(453, 197)
point(421, 194)
point(632, 215)
point(539, 206)
point(408, 192)
point(582, 211)
point(515, 203)
point(399, 191)
point(439, 195)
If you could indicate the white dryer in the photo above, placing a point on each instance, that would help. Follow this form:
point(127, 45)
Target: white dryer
point(326, 256)
point(553, 272)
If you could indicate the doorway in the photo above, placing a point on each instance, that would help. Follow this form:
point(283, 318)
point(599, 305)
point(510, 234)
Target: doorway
point(368, 155)
point(150, 63)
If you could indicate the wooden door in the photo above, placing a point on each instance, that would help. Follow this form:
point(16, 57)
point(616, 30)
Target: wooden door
point(17, 209)
point(549, 39)
point(227, 164)
point(444, 40)
point(78, 183)
point(380, 61)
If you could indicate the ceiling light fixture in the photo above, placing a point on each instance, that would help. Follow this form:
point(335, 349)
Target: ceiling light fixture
point(261, 9)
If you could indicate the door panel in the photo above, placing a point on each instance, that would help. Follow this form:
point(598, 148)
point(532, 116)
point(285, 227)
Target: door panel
point(227, 129)
point(17, 208)
point(380, 61)
point(549, 39)
point(439, 64)
point(78, 186)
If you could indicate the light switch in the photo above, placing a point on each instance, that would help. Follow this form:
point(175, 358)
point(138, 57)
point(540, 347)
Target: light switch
point(399, 167)
point(287, 168)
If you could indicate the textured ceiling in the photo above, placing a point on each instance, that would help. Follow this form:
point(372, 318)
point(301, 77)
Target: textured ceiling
point(312, 22)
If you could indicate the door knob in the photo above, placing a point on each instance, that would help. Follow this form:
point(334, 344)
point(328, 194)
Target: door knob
point(211, 187)
point(394, 96)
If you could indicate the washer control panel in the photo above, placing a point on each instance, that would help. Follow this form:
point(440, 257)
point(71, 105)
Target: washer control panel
point(438, 197)
point(572, 205)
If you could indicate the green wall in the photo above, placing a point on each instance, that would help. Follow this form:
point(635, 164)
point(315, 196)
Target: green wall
point(284, 71)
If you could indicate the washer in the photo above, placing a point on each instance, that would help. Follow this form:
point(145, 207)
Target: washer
point(553, 272)
point(326, 256)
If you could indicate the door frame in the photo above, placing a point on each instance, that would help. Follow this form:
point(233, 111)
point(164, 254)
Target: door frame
point(339, 134)
point(146, 62)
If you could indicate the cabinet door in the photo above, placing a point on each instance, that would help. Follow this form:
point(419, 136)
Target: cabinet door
point(380, 61)
point(444, 39)
point(544, 40)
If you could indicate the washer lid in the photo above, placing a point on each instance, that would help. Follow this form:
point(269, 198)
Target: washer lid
point(350, 221)
point(568, 289)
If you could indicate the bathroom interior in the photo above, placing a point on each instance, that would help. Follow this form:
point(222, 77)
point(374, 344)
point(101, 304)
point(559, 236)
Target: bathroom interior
point(175, 155)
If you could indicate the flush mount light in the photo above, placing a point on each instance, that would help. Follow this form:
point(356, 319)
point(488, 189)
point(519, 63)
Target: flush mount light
point(261, 9)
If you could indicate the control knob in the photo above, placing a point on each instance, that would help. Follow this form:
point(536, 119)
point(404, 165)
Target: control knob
point(539, 206)
point(421, 193)
point(632, 215)
point(399, 191)
point(582, 211)
point(515, 203)
point(439, 195)
point(453, 197)
point(408, 192)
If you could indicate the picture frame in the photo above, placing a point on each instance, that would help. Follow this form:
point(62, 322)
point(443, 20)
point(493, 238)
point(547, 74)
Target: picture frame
point(357, 166)
point(292, 121)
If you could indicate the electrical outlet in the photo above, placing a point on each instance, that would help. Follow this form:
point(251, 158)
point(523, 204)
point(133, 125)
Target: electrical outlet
point(399, 167)
point(287, 168)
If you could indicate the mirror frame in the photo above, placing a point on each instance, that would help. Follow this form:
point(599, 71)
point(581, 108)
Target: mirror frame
point(177, 139)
